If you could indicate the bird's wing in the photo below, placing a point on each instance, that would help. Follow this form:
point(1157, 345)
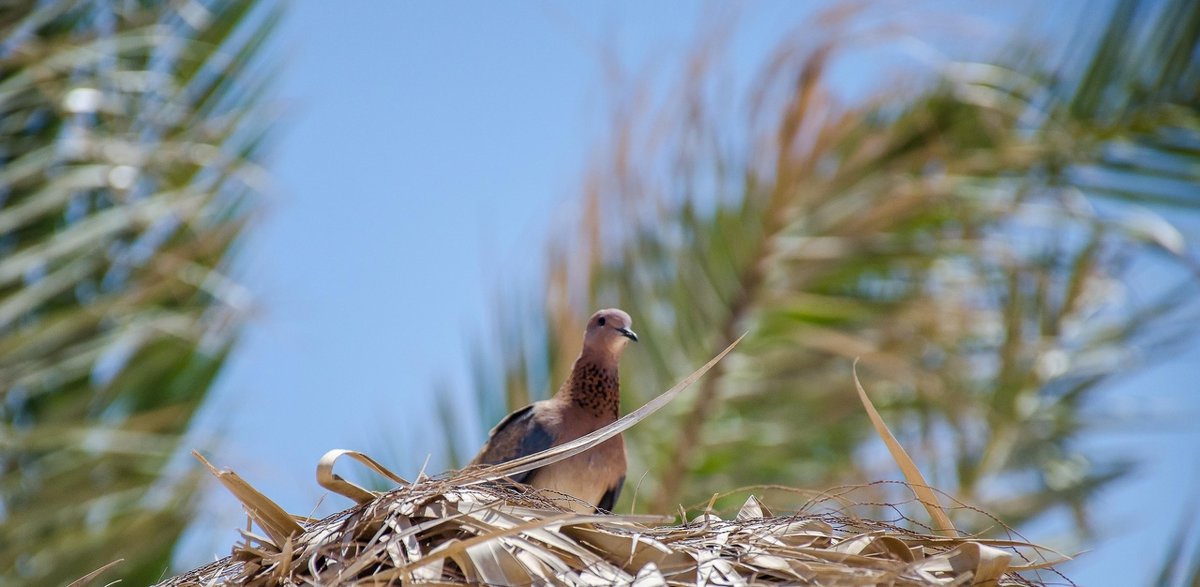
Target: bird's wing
point(518, 434)
point(609, 499)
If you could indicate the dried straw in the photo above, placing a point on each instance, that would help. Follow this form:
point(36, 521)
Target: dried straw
point(458, 531)
point(475, 527)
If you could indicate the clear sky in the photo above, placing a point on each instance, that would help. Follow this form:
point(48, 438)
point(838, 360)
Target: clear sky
point(426, 151)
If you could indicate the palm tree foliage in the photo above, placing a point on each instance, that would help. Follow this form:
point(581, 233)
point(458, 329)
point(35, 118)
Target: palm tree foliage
point(129, 132)
point(973, 239)
point(1179, 567)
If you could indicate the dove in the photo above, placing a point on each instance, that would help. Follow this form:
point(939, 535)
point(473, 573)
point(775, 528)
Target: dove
point(588, 400)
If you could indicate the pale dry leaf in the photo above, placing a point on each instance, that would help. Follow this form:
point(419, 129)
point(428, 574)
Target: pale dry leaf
point(274, 520)
point(916, 481)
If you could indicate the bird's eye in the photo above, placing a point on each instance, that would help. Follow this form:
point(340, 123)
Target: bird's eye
point(600, 321)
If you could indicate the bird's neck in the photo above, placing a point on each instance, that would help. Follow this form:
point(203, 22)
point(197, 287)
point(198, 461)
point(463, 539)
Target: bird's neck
point(594, 385)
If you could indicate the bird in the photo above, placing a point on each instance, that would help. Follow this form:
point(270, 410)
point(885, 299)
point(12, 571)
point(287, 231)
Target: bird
point(589, 399)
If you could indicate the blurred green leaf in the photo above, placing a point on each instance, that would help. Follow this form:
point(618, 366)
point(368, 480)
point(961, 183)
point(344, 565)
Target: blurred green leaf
point(129, 135)
point(971, 239)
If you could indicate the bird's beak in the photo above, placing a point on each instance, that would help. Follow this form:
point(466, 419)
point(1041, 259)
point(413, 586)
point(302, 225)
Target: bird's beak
point(627, 333)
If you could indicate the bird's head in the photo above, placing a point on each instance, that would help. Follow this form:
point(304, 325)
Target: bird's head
point(608, 330)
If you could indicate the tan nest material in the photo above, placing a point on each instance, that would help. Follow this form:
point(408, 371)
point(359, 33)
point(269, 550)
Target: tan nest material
point(475, 527)
point(443, 532)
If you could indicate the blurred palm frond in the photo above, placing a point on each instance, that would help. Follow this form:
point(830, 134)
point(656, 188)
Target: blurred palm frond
point(980, 242)
point(129, 139)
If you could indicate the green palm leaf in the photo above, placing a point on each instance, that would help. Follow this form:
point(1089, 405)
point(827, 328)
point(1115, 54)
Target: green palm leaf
point(968, 241)
point(128, 146)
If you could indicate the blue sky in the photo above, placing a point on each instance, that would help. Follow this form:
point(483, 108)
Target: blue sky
point(426, 152)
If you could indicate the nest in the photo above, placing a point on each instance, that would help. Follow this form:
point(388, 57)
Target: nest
point(456, 531)
point(474, 527)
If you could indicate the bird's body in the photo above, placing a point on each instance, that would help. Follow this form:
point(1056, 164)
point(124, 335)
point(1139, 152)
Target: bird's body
point(588, 400)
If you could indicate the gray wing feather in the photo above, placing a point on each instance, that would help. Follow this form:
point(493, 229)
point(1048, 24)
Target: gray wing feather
point(519, 434)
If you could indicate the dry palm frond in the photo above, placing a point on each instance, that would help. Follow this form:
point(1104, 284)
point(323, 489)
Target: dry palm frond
point(474, 527)
point(460, 531)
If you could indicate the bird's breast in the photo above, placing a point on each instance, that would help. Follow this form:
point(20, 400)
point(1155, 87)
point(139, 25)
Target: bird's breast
point(586, 476)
